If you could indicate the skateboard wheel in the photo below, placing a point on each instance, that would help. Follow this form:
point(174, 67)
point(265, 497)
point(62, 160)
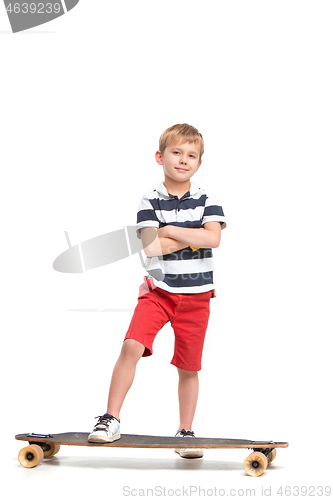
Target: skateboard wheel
point(30, 456)
point(255, 464)
point(271, 456)
point(53, 450)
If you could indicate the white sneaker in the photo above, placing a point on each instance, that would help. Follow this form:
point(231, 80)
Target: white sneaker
point(188, 452)
point(106, 430)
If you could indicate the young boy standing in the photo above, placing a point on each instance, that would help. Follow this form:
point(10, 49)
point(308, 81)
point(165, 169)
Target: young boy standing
point(179, 224)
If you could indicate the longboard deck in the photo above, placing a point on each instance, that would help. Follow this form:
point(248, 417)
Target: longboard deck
point(46, 446)
point(141, 441)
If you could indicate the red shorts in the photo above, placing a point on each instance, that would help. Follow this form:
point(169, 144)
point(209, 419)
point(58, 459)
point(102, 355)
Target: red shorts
point(188, 315)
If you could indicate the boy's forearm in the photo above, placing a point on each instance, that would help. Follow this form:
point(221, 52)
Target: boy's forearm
point(154, 244)
point(173, 238)
point(199, 238)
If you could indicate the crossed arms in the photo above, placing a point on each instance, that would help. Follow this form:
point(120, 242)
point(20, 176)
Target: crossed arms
point(172, 238)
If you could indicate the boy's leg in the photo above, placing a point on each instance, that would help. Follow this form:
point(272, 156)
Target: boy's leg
point(123, 374)
point(107, 428)
point(148, 318)
point(188, 390)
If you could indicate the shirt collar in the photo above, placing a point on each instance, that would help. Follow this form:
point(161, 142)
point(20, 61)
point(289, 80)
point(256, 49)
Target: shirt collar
point(162, 189)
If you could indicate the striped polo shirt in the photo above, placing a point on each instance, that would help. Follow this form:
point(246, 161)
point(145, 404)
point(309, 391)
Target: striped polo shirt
point(187, 270)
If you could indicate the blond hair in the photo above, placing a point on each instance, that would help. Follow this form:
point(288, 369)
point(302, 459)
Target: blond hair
point(181, 133)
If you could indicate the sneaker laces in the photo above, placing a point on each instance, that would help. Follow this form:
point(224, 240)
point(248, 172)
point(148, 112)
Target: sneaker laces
point(103, 423)
point(184, 432)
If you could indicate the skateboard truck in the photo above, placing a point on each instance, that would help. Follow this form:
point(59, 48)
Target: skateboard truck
point(45, 447)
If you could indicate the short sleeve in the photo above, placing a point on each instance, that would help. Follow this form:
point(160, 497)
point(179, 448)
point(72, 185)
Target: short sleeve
point(146, 216)
point(213, 211)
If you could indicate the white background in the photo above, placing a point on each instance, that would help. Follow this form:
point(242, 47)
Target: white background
point(83, 102)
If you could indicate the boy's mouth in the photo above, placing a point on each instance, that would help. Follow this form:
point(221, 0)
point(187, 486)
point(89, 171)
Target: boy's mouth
point(182, 169)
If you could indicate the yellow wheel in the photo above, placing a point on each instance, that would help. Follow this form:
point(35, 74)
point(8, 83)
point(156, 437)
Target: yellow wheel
point(255, 464)
point(30, 456)
point(54, 448)
point(271, 456)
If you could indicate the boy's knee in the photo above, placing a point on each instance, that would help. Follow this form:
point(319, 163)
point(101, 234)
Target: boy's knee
point(132, 348)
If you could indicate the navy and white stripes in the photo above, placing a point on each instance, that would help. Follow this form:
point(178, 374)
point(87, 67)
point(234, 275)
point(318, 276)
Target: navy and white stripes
point(186, 271)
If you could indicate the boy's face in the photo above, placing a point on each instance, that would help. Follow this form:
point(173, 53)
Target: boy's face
point(180, 161)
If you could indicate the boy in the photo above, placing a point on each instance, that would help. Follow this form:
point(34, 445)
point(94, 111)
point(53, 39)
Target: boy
point(179, 224)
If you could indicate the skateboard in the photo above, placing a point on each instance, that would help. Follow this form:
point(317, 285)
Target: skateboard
point(47, 445)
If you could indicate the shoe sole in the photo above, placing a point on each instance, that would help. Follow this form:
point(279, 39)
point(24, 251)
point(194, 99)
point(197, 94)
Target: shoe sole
point(189, 453)
point(101, 439)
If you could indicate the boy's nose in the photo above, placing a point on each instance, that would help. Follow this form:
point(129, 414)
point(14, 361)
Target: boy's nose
point(183, 160)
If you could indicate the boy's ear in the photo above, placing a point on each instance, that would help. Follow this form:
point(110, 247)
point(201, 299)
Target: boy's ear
point(199, 163)
point(158, 157)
